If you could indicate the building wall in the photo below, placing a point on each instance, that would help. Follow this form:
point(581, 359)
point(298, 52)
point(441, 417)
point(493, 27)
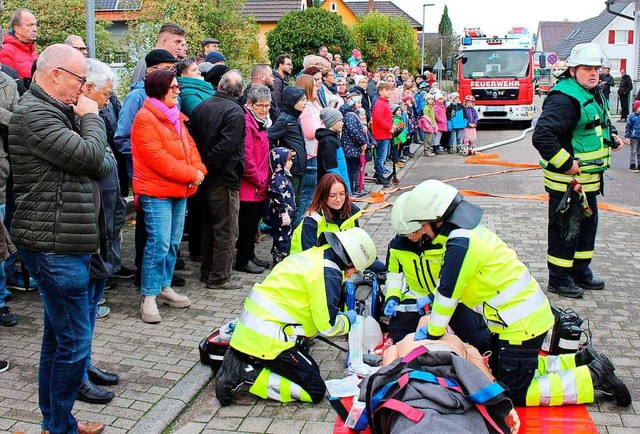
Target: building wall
point(348, 18)
point(620, 50)
point(262, 35)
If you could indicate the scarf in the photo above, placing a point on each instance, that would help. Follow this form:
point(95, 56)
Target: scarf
point(173, 113)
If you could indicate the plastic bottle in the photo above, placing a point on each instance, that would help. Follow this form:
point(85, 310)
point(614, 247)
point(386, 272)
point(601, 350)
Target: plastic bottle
point(371, 335)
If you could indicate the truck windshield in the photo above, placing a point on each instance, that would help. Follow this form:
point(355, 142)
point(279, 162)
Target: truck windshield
point(495, 63)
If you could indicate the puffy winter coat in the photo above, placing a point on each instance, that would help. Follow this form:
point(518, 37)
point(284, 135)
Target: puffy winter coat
point(441, 116)
point(18, 55)
point(353, 136)
point(382, 119)
point(165, 164)
point(56, 159)
point(253, 184)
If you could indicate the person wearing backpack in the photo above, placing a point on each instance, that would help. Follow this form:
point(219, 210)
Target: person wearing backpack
point(482, 272)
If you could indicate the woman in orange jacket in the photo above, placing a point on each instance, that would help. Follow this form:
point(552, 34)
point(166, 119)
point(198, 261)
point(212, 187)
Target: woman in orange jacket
point(166, 170)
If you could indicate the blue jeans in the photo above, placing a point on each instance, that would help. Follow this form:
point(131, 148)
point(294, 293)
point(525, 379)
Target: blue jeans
point(4, 293)
point(382, 151)
point(95, 290)
point(164, 219)
point(456, 137)
point(66, 342)
point(309, 184)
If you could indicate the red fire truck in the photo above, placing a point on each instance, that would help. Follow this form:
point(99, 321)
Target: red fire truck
point(498, 72)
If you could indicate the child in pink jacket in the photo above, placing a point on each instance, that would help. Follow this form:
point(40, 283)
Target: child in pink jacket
point(440, 113)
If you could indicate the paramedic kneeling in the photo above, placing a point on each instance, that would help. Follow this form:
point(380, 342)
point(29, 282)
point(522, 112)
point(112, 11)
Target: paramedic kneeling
point(299, 298)
point(482, 272)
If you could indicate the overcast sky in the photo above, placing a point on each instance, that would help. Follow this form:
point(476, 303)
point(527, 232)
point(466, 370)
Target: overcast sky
point(496, 17)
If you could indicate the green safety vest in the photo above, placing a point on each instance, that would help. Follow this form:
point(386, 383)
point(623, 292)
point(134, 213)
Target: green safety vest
point(495, 283)
point(290, 302)
point(323, 226)
point(412, 275)
point(590, 141)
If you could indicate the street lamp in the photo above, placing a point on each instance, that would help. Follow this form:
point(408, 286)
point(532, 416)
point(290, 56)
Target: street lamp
point(423, 36)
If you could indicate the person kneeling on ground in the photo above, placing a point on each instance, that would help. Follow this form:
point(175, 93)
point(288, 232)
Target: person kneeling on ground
point(299, 298)
point(483, 273)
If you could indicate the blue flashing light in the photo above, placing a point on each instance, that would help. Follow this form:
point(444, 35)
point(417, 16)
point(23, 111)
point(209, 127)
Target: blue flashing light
point(467, 40)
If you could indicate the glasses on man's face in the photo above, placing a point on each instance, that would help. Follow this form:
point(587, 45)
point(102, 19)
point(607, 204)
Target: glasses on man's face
point(82, 79)
point(108, 95)
point(174, 88)
point(288, 64)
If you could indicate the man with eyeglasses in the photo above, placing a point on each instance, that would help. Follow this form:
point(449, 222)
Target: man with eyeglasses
point(58, 153)
point(281, 77)
point(155, 59)
point(77, 43)
point(19, 49)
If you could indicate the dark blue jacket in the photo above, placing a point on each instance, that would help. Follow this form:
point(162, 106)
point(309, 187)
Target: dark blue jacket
point(633, 127)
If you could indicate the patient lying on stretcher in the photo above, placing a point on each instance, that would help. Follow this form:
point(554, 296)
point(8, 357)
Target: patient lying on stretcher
point(448, 342)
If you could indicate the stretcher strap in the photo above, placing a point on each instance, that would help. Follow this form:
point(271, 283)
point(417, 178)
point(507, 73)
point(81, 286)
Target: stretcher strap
point(415, 353)
point(486, 393)
point(483, 411)
point(413, 414)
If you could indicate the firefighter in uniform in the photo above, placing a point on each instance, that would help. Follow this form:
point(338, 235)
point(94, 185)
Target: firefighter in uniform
point(483, 273)
point(574, 137)
point(413, 265)
point(299, 298)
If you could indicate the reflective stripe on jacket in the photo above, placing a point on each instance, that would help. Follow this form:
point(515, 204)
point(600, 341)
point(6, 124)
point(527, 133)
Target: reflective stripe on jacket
point(299, 297)
point(590, 142)
point(482, 272)
point(323, 225)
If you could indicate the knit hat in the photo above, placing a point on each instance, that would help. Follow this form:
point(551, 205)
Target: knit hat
point(438, 95)
point(454, 95)
point(353, 98)
point(394, 107)
point(157, 56)
point(382, 68)
point(215, 74)
point(407, 97)
point(215, 57)
point(635, 105)
point(356, 53)
point(330, 116)
point(358, 78)
point(357, 70)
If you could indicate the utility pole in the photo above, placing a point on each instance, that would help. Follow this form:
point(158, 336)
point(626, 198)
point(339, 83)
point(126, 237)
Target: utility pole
point(424, 35)
point(90, 7)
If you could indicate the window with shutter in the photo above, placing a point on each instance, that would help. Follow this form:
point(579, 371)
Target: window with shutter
point(623, 63)
point(630, 37)
point(612, 36)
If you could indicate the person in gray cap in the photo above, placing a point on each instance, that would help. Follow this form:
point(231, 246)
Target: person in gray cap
point(209, 45)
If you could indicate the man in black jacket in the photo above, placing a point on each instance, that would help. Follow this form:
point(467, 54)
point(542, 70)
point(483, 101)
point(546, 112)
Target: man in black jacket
point(59, 151)
point(218, 128)
point(574, 137)
point(624, 90)
point(280, 78)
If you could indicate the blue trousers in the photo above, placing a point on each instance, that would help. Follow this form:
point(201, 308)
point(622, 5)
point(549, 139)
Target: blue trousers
point(66, 342)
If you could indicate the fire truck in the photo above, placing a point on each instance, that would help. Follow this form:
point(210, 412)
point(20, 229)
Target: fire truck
point(498, 72)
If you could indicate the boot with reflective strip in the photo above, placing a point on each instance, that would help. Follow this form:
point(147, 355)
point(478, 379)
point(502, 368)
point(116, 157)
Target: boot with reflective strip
point(572, 386)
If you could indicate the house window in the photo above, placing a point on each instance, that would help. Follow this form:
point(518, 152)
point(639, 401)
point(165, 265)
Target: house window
point(333, 7)
point(621, 37)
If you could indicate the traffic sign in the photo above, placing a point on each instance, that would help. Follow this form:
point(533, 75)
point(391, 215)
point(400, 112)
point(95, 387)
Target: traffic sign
point(552, 58)
point(438, 66)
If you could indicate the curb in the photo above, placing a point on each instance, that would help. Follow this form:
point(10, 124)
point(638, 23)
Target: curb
point(166, 411)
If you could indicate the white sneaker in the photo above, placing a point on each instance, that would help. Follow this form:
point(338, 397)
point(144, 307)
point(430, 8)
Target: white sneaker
point(149, 310)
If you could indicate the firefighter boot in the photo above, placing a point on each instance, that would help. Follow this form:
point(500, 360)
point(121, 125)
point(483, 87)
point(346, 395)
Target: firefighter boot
point(606, 381)
point(233, 373)
point(586, 355)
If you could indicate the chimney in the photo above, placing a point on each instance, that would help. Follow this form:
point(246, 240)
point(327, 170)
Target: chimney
point(370, 5)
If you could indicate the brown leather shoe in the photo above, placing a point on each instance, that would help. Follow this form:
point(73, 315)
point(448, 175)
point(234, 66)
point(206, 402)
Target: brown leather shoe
point(90, 427)
point(83, 428)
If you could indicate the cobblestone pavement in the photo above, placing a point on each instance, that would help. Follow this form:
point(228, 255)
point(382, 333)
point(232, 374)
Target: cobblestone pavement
point(165, 388)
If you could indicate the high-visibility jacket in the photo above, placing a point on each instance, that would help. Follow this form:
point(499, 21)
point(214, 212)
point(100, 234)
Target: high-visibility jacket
point(300, 297)
point(482, 272)
point(323, 225)
point(590, 142)
point(413, 269)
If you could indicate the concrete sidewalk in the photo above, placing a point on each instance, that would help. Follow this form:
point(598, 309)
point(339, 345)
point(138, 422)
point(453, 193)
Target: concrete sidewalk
point(164, 386)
